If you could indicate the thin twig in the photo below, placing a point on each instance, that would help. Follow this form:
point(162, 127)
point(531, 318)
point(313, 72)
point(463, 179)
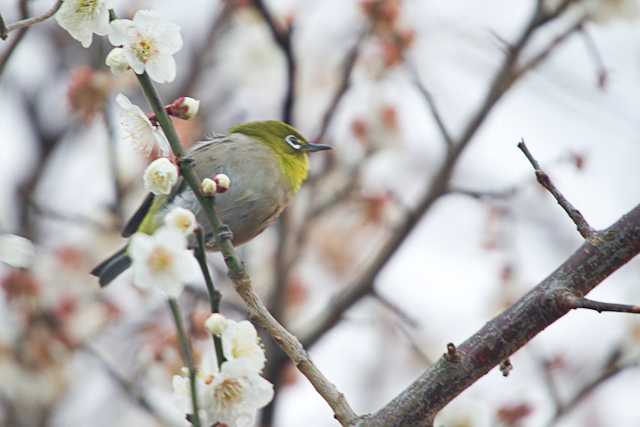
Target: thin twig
point(214, 295)
point(125, 385)
point(395, 309)
point(446, 136)
point(26, 23)
point(578, 219)
point(536, 60)
point(23, 6)
point(575, 302)
point(588, 388)
point(187, 359)
point(282, 38)
point(343, 87)
point(594, 52)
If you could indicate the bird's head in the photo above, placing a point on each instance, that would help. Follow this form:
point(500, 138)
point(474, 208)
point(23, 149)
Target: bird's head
point(288, 145)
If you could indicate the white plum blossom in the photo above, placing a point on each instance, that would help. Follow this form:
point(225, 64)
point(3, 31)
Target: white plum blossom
point(116, 60)
point(162, 260)
point(191, 107)
point(181, 219)
point(16, 251)
point(160, 176)
point(231, 396)
point(83, 18)
point(240, 342)
point(149, 43)
point(137, 128)
point(216, 324)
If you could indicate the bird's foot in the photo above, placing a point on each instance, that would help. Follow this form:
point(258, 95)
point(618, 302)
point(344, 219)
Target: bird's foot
point(224, 233)
point(185, 162)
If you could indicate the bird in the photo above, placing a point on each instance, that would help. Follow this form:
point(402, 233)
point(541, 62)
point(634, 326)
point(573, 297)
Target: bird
point(266, 161)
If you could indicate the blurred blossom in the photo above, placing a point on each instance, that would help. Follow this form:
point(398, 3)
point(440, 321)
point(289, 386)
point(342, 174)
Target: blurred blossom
point(160, 176)
point(16, 251)
point(149, 44)
point(231, 396)
point(88, 92)
point(603, 11)
point(137, 128)
point(162, 260)
point(19, 284)
point(182, 220)
point(82, 18)
point(240, 342)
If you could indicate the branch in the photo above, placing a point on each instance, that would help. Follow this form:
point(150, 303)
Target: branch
point(575, 302)
point(13, 44)
point(239, 276)
point(501, 82)
point(607, 373)
point(594, 52)
point(591, 264)
point(578, 219)
point(432, 107)
point(283, 39)
point(26, 23)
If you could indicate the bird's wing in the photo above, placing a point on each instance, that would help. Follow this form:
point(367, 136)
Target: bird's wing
point(138, 216)
point(216, 138)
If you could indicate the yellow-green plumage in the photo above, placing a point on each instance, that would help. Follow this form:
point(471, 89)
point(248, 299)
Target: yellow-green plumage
point(267, 163)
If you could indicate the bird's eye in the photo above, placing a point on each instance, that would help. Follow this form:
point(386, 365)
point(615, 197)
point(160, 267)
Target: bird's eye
point(293, 142)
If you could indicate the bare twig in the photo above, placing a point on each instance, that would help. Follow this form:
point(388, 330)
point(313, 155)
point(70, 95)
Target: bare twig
point(282, 37)
point(125, 385)
point(446, 136)
point(395, 309)
point(585, 391)
point(187, 358)
point(575, 302)
point(13, 44)
point(578, 219)
point(345, 82)
point(594, 52)
point(27, 22)
point(536, 60)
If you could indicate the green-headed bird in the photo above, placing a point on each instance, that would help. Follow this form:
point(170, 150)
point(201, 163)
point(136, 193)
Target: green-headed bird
point(267, 163)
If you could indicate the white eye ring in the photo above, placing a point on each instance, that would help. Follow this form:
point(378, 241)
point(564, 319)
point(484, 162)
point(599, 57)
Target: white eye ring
point(293, 142)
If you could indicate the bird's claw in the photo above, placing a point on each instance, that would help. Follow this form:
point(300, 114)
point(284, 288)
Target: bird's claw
point(224, 233)
point(186, 162)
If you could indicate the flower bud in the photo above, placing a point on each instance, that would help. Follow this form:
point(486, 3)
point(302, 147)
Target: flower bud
point(216, 324)
point(208, 187)
point(160, 176)
point(117, 61)
point(184, 108)
point(223, 182)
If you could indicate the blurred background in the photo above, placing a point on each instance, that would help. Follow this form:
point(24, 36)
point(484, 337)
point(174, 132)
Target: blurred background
point(365, 73)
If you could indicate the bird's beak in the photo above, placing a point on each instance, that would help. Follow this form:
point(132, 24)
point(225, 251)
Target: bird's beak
point(315, 147)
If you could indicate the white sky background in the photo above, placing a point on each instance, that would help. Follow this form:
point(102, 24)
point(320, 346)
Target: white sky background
point(442, 275)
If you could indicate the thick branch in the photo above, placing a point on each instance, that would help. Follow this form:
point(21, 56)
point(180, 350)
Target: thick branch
point(578, 219)
point(593, 262)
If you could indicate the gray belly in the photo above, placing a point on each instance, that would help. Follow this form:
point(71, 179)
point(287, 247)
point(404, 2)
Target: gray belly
point(256, 197)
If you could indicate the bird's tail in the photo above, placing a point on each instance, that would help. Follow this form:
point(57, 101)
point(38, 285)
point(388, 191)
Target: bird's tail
point(111, 267)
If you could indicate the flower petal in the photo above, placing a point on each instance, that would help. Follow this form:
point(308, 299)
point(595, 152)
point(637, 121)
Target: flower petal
point(161, 68)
